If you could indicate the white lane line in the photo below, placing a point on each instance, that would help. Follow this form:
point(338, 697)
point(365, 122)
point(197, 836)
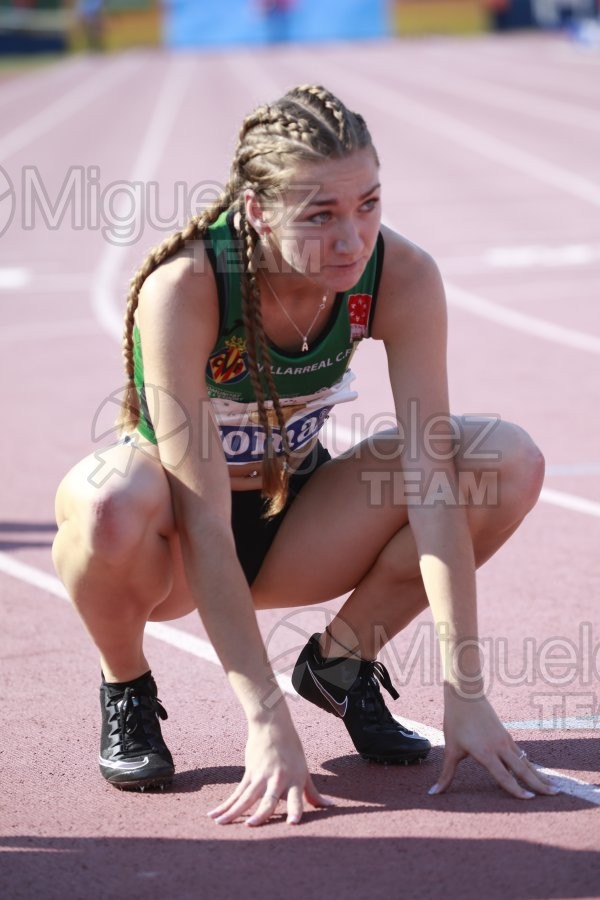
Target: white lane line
point(490, 94)
point(42, 282)
point(375, 93)
point(539, 73)
point(523, 322)
point(203, 650)
point(576, 469)
point(433, 735)
point(20, 85)
point(182, 640)
point(170, 98)
point(81, 97)
point(571, 502)
point(583, 790)
point(47, 330)
point(510, 318)
point(14, 278)
point(527, 256)
point(30, 575)
point(564, 723)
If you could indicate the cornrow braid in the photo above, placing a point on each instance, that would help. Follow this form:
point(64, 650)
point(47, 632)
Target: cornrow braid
point(130, 408)
point(275, 471)
point(274, 119)
point(336, 113)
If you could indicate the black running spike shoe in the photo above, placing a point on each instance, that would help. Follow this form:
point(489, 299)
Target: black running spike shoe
point(133, 754)
point(349, 688)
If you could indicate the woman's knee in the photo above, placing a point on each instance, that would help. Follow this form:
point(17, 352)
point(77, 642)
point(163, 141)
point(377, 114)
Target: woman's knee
point(111, 519)
point(512, 461)
point(523, 468)
point(505, 467)
point(113, 525)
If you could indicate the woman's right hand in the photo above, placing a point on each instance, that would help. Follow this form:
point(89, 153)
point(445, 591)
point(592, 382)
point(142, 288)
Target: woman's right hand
point(472, 728)
point(275, 770)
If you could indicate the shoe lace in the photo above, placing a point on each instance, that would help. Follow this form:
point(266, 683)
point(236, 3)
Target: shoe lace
point(131, 712)
point(373, 673)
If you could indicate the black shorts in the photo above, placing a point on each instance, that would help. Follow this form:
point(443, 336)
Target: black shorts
point(253, 534)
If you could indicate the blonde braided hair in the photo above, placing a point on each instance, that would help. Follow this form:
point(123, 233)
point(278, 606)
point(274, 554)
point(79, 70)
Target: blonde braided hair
point(308, 124)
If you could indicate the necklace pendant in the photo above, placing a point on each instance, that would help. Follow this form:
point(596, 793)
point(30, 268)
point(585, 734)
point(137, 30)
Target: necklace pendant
point(305, 345)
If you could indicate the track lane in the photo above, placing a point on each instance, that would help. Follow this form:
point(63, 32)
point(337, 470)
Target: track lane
point(534, 578)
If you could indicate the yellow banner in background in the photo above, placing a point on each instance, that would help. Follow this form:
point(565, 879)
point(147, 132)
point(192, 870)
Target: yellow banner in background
point(413, 17)
point(115, 24)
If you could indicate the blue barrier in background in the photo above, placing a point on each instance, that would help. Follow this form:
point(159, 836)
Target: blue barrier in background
point(200, 23)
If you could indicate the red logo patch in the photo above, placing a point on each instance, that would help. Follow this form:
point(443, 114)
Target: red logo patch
point(229, 365)
point(359, 306)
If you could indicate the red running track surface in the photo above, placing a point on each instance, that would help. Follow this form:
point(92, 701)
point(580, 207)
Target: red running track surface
point(489, 151)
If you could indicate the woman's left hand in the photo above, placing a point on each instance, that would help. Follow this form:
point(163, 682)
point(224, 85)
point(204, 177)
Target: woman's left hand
point(472, 728)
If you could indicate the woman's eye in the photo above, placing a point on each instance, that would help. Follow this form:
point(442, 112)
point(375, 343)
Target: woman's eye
point(320, 218)
point(370, 204)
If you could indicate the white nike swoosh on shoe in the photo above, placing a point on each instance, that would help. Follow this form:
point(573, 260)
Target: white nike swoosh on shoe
point(340, 708)
point(122, 765)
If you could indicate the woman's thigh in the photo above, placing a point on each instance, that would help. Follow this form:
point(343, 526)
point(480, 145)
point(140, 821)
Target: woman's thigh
point(355, 504)
point(333, 532)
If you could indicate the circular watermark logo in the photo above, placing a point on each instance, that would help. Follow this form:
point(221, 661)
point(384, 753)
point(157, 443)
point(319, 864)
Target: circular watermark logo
point(106, 431)
point(8, 201)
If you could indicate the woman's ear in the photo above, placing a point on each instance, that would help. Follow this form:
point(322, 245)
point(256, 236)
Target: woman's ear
point(255, 213)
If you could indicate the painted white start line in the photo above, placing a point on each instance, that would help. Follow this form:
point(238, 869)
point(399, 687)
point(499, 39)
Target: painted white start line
point(203, 650)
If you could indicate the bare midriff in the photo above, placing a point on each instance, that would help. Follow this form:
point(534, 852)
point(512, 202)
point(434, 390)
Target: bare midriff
point(248, 477)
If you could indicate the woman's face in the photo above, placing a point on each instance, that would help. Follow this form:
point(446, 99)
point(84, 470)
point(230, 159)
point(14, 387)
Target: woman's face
point(326, 222)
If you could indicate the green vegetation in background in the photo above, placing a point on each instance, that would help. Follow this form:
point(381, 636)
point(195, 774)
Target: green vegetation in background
point(23, 62)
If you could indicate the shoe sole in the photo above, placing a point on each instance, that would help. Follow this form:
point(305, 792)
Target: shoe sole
point(396, 760)
point(143, 784)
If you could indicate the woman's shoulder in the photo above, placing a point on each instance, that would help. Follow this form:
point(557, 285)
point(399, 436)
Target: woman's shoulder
point(410, 285)
point(180, 293)
point(404, 261)
point(188, 269)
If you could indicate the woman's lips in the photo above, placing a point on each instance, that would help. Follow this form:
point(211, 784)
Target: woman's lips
point(344, 266)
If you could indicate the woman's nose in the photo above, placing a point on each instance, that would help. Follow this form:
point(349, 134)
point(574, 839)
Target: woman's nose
point(348, 239)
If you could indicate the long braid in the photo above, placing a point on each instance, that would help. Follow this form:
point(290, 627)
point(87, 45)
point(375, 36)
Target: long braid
point(308, 123)
point(130, 409)
point(275, 473)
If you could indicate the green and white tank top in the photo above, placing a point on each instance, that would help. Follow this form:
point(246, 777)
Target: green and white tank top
point(309, 384)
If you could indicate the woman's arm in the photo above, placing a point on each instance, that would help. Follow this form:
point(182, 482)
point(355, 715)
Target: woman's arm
point(411, 320)
point(178, 320)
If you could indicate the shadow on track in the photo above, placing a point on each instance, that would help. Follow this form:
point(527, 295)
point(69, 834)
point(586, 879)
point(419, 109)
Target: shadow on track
point(292, 866)
point(9, 530)
point(473, 790)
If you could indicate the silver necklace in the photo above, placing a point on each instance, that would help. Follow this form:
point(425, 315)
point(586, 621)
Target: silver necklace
point(304, 337)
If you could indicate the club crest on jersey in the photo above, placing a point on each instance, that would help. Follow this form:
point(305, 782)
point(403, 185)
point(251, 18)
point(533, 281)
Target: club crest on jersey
point(230, 363)
point(359, 306)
